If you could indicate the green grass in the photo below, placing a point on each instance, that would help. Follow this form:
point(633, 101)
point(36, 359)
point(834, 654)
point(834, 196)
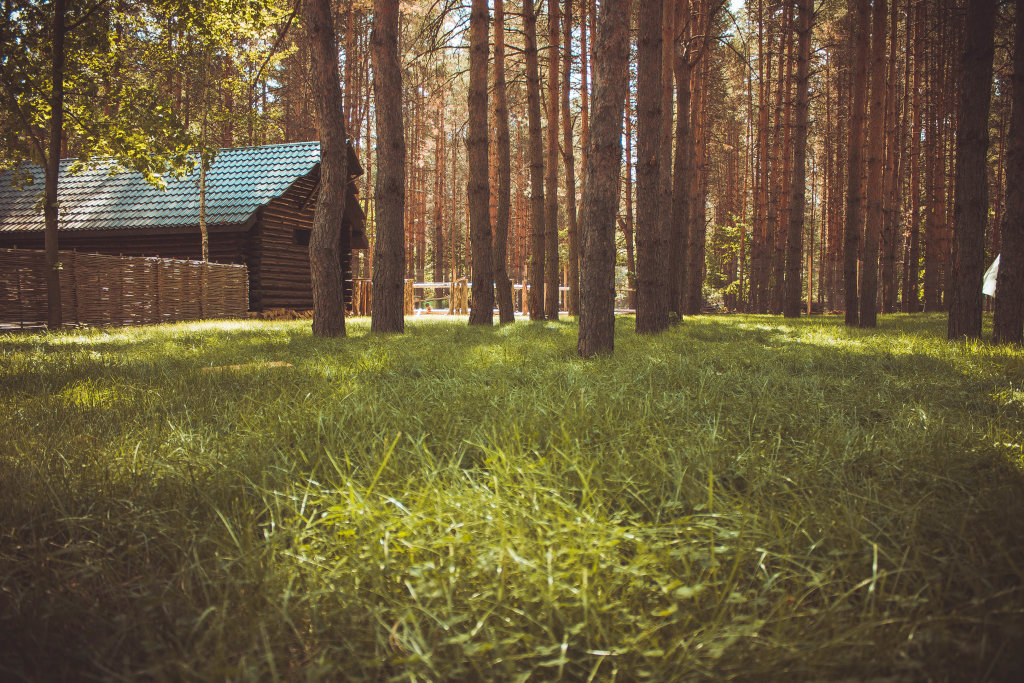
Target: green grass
point(740, 497)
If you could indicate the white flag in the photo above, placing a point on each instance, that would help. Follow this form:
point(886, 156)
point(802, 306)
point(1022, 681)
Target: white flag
point(988, 284)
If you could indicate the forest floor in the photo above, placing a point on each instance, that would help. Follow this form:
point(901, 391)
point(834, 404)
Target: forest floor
point(740, 497)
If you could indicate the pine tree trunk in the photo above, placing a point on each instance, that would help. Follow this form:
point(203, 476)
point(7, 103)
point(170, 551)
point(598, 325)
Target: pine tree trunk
point(478, 187)
point(54, 314)
point(569, 159)
point(794, 241)
point(679, 236)
point(506, 311)
point(551, 167)
point(876, 146)
point(627, 225)
point(854, 191)
point(668, 47)
point(971, 207)
point(1008, 321)
point(911, 288)
point(536, 267)
point(600, 200)
point(388, 311)
point(652, 305)
point(325, 239)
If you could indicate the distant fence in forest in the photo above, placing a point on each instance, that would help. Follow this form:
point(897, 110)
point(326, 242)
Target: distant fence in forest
point(119, 290)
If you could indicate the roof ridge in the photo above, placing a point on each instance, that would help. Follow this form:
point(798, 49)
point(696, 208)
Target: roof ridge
point(219, 149)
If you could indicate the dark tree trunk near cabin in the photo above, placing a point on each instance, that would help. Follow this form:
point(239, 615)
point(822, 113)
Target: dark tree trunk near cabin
point(55, 314)
point(600, 200)
point(569, 159)
point(478, 187)
point(506, 311)
point(536, 265)
point(854, 189)
point(651, 305)
point(876, 147)
point(325, 238)
point(388, 311)
point(794, 240)
point(1008, 321)
point(551, 167)
point(970, 212)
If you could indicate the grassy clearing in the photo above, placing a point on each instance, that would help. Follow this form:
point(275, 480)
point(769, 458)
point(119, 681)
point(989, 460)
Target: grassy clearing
point(740, 497)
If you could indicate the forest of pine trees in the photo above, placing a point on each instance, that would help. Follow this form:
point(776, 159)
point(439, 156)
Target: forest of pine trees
point(775, 157)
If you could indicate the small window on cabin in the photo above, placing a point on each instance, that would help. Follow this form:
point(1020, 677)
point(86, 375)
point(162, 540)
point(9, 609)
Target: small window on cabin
point(300, 236)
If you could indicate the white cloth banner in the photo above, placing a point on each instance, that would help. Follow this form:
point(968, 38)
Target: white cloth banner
point(988, 284)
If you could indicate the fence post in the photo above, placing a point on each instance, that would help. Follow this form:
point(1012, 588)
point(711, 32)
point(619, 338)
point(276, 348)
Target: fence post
point(409, 298)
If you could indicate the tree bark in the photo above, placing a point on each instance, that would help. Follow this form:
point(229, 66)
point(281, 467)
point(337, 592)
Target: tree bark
point(652, 304)
point(1008, 321)
point(478, 187)
point(536, 266)
point(55, 314)
point(794, 240)
point(911, 287)
point(388, 311)
point(600, 200)
point(876, 146)
point(569, 159)
point(679, 236)
point(551, 167)
point(325, 239)
point(506, 311)
point(854, 190)
point(970, 210)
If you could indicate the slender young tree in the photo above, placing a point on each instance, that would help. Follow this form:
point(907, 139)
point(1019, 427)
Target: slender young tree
point(478, 187)
point(569, 159)
point(506, 312)
point(652, 305)
point(970, 212)
point(551, 189)
point(536, 266)
point(679, 235)
point(325, 238)
point(600, 199)
point(1008, 321)
point(876, 148)
point(388, 310)
point(854, 191)
point(794, 240)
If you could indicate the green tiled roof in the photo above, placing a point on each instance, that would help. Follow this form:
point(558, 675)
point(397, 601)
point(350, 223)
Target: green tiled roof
point(239, 182)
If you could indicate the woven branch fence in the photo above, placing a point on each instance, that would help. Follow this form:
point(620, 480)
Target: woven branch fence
point(119, 290)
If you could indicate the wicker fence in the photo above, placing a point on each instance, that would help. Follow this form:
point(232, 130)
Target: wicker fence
point(119, 290)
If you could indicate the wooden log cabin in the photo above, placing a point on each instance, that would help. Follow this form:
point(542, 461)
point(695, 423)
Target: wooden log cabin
point(260, 203)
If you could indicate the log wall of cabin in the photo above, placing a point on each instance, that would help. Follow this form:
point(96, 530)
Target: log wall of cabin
point(279, 251)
